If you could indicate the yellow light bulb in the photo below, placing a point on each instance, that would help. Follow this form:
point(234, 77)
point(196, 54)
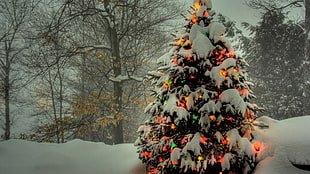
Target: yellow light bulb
point(197, 5)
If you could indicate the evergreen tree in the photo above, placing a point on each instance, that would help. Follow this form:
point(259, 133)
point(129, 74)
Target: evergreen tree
point(277, 51)
point(200, 121)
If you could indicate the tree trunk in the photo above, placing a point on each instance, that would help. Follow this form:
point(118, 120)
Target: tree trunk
point(7, 106)
point(306, 65)
point(7, 88)
point(61, 124)
point(118, 91)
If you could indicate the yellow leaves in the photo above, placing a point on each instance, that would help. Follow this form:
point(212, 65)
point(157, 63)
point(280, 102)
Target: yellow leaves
point(102, 55)
point(91, 105)
point(43, 104)
point(117, 64)
point(95, 111)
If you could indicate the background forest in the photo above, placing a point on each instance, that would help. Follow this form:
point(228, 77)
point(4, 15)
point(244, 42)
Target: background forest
point(75, 69)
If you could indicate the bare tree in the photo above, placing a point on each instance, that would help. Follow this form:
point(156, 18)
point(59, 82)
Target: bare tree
point(119, 26)
point(14, 16)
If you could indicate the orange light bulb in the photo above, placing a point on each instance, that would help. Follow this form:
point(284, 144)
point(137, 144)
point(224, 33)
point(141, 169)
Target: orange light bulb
point(223, 72)
point(212, 117)
point(194, 20)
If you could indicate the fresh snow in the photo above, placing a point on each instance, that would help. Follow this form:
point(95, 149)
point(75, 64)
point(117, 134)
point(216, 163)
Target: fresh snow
point(202, 46)
point(122, 78)
point(283, 143)
point(216, 30)
point(74, 157)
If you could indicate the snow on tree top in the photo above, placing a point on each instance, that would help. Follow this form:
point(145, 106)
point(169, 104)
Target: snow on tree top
point(195, 30)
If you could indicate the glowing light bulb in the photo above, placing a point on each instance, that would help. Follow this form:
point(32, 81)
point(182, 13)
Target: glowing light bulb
point(212, 117)
point(185, 98)
point(203, 139)
point(192, 77)
point(223, 72)
point(197, 5)
point(180, 42)
point(194, 20)
point(166, 85)
point(173, 126)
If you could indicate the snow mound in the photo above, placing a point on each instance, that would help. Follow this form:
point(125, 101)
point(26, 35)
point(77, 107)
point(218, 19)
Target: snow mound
point(285, 146)
point(74, 157)
point(285, 149)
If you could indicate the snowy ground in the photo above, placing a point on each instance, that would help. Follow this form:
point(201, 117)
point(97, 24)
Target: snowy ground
point(285, 143)
point(75, 157)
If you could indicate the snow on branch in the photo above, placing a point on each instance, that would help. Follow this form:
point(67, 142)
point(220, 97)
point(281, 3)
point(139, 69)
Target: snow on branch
point(122, 78)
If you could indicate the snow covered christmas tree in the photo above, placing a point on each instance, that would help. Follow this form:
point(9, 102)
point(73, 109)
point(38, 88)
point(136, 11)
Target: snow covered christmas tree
point(201, 119)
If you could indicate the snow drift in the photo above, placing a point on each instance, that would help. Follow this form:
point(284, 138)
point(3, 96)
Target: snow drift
point(285, 149)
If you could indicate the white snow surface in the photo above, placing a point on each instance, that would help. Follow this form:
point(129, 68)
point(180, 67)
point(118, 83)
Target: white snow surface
point(202, 46)
point(216, 30)
point(284, 142)
point(232, 97)
point(74, 157)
